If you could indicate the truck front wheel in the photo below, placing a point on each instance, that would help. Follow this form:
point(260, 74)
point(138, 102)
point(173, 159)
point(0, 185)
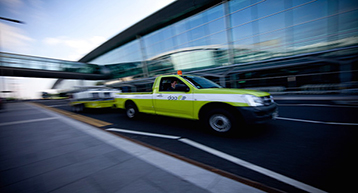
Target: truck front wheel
point(220, 121)
point(131, 111)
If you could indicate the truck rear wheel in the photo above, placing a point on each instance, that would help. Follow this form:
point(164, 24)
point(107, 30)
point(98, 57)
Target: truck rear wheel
point(131, 111)
point(78, 108)
point(220, 121)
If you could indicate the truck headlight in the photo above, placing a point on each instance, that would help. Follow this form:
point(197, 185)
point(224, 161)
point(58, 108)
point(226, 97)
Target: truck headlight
point(252, 100)
point(271, 98)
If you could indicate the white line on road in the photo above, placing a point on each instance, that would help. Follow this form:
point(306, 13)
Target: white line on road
point(143, 133)
point(248, 165)
point(318, 105)
point(228, 157)
point(312, 121)
point(27, 121)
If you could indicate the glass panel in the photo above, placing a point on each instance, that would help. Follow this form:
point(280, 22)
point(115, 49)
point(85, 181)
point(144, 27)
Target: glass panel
point(128, 53)
point(241, 17)
point(271, 34)
point(242, 32)
point(218, 38)
point(216, 26)
point(271, 23)
point(181, 27)
point(197, 20)
point(125, 69)
point(215, 12)
point(348, 26)
point(299, 2)
point(168, 33)
point(221, 56)
point(243, 50)
point(182, 39)
point(273, 44)
point(193, 59)
point(160, 66)
point(236, 5)
point(151, 39)
point(198, 33)
point(310, 37)
point(156, 49)
point(270, 7)
point(168, 45)
point(310, 11)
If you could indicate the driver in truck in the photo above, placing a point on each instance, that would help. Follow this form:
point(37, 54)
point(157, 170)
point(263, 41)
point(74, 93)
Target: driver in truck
point(173, 84)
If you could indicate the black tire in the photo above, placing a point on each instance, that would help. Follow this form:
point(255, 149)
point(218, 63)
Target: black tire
point(78, 108)
point(81, 107)
point(131, 110)
point(220, 121)
point(75, 108)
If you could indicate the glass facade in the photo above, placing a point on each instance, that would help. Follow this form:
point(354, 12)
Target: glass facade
point(238, 32)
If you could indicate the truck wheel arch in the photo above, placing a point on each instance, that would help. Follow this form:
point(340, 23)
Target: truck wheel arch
point(217, 105)
point(129, 102)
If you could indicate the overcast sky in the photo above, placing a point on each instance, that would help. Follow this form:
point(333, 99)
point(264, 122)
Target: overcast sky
point(65, 29)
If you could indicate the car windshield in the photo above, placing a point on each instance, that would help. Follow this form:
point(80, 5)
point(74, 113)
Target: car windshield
point(200, 82)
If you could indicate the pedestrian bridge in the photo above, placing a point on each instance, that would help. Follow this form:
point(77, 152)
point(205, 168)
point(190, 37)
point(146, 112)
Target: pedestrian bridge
point(32, 66)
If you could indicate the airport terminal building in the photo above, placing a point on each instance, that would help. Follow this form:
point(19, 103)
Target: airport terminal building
point(277, 45)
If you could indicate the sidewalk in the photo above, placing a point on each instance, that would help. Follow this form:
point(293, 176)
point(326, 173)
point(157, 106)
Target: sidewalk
point(42, 151)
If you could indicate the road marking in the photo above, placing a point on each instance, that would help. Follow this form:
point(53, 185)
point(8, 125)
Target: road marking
point(317, 105)
point(58, 105)
point(248, 165)
point(144, 133)
point(27, 121)
point(318, 122)
point(228, 157)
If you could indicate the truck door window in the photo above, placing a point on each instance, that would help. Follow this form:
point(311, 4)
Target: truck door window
point(95, 95)
point(171, 84)
point(201, 82)
point(107, 95)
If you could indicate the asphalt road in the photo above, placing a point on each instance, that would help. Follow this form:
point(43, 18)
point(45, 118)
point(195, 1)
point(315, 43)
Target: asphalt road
point(311, 145)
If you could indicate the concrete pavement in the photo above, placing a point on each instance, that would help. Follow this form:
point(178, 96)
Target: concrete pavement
point(43, 151)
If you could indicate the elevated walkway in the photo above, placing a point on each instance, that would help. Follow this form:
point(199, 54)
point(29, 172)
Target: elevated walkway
point(31, 66)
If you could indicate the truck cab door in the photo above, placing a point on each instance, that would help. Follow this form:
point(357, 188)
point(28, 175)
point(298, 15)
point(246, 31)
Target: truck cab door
point(173, 101)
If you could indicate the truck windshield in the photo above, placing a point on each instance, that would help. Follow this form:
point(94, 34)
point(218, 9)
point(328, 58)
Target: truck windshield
point(200, 82)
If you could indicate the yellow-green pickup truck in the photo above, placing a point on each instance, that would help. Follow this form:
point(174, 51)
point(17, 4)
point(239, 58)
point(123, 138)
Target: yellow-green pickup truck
point(222, 110)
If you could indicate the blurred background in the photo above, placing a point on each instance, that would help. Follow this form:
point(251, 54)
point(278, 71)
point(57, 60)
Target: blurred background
point(304, 52)
point(283, 46)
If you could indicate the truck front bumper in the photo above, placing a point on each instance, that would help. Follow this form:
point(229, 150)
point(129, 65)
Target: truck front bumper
point(260, 114)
